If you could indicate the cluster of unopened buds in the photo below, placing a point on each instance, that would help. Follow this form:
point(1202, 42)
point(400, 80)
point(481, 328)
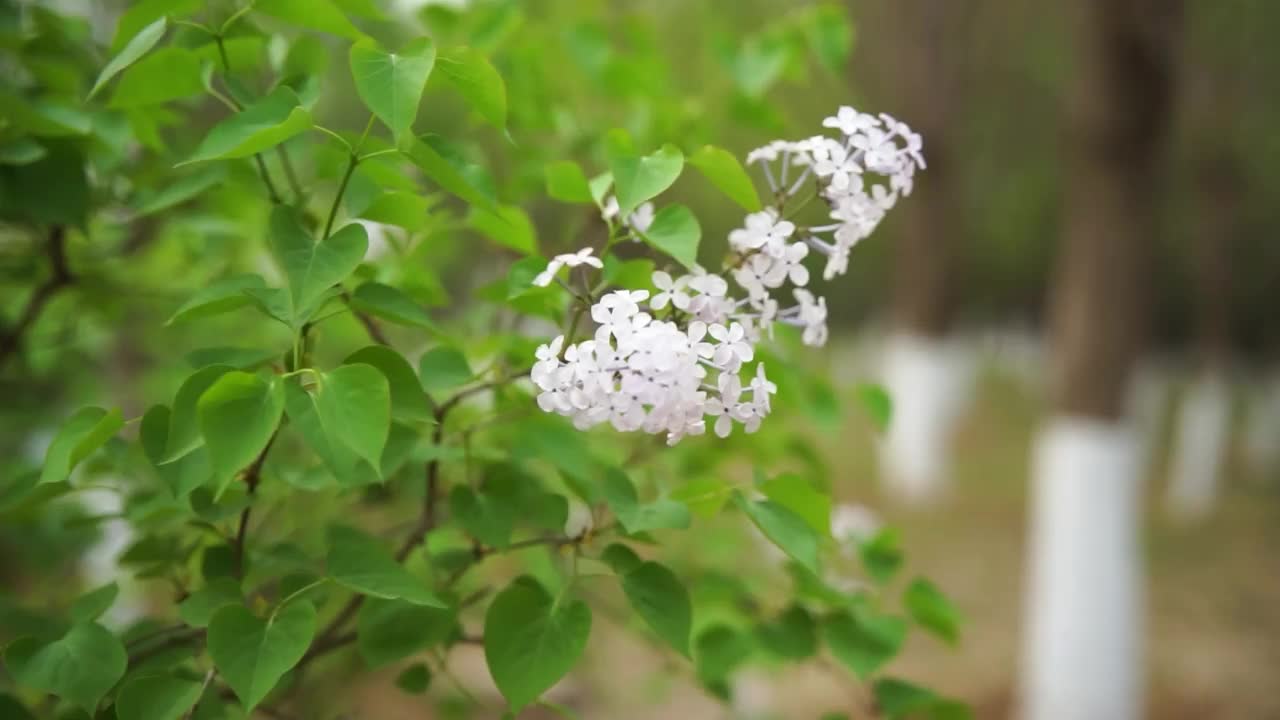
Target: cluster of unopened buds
point(665, 361)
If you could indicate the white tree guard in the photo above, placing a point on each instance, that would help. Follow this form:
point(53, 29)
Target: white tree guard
point(1200, 445)
point(1084, 616)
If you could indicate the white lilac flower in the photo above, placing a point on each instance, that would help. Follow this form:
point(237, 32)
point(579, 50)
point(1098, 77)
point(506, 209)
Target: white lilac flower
point(570, 260)
point(670, 291)
point(853, 524)
point(639, 373)
point(763, 231)
point(639, 220)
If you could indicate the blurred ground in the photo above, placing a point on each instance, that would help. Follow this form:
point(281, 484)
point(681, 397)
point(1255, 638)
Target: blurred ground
point(1213, 599)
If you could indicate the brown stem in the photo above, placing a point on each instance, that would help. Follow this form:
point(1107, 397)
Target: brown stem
point(169, 643)
point(252, 475)
point(61, 277)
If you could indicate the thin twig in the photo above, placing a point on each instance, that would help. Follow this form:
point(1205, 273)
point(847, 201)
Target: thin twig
point(252, 475)
point(208, 678)
point(169, 643)
point(59, 278)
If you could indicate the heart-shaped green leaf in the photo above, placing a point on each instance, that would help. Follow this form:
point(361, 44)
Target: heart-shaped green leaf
point(85, 431)
point(798, 495)
point(639, 179)
point(364, 565)
point(313, 268)
point(662, 601)
point(567, 183)
point(156, 697)
point(470, 73)
point(222, 296)
point(725, 172)
point(90, 605)
point(864, 642)
point(531, 641)
point(389, 630)
point(137, 47)
point(442, 172)
point(443, 368)
point(304, 417)
point(408, 401)
point(390, 304)
point(261, 126)
point(184, 420)
point(638, 517)
point(784, 528)
point(676, 232)
point(252, 654)
point(391, 84)
point(323, 15)
point(238, 416)
point(354, 403)
point(182, 475)
point(168, 74)
point(81, 666)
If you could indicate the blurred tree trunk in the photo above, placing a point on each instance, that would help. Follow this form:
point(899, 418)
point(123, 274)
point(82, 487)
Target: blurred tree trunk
point(923, 50)
point(1210, 108)
point(1084, 632)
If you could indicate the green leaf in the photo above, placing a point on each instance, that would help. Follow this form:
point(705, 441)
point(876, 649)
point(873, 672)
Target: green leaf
point(830, 36)
point(361, 563)
point(414, 679)
point(676, 232)
point(785, 529)
point(864, 642)
point(658, 596)
point(898, 698)
point(137, 47)
point(391, 84)
point(85, 431)
point(802, 498)
point(637, 517)
point(322, 15)
point(184, 424)
point(509, 226)
point(21, 151)
point(599, 186)
point(238, 358)
point(157, 697)
point(404, 209)
point(89, 606)
point(567, 183)
point(222, 296)
point(182, 475)
point(725, 172)
point(720, 649)
point(179, 190)
point(239, 415)
point(485, 517)
point(882, 555)
point(443, 172)
point(337, 455)
point(252, 654)
point(408, 401)
point(531, 641)
point(354, 404)
point(793, 635)
point(876, 403)
point(703, 496)
point(199, 607)
point(168, 74)
point(261, 126)
point(313, 268)
point(443, 368)
point(389, 630)
point(474, 77)
point(639, 179)
point(80, 667)
point(621, 558)
point(932, 610)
